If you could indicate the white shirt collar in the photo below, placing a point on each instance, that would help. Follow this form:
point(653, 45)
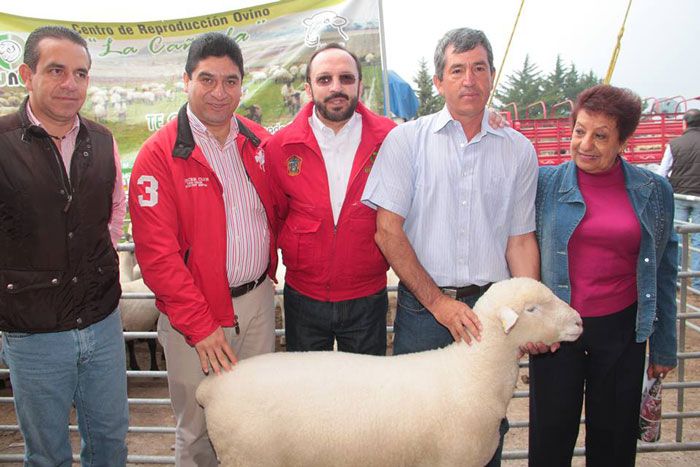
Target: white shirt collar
point(444, 117)
point(201, 129)
point(318, 126)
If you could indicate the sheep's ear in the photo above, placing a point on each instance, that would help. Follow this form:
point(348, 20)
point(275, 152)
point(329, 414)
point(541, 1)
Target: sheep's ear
point(508, 317)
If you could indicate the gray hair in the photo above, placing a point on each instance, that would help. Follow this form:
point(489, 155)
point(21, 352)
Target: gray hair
point(462, 40)
point(692, 118)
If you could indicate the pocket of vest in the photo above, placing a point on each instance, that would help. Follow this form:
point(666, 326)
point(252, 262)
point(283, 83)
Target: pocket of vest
point(18, 281)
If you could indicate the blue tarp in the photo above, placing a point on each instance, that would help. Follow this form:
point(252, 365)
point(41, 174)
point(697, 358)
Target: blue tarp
point(404, 102)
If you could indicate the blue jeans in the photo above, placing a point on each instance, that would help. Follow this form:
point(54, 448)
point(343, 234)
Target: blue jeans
point(689, 211)
point(417, 330)
point(51, 371)
point(358, 325)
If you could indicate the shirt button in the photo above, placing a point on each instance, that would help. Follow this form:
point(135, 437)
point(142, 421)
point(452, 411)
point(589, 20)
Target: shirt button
point(79, 320)
point(646, 260)
point(463, 203)
point(75, 279)
point(54, 281)
point(10, 286)
point(648, 295)
point(70, 235)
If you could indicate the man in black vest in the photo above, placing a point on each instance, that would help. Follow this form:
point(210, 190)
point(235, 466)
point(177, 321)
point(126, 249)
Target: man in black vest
point(681, 164)
point(61, 210)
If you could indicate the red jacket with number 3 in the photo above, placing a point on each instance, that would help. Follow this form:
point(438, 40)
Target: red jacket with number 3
point(179, 224)
point(324, 261)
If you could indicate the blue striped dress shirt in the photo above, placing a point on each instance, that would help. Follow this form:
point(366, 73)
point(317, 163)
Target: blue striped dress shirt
point(460, 199)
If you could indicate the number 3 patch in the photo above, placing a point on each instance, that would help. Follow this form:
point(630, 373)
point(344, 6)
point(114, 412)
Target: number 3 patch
point(150, 196)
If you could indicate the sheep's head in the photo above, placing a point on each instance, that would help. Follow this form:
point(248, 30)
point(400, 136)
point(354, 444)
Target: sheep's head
point(530, 311)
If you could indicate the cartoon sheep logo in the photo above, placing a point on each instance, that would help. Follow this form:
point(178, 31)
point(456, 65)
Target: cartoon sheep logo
point(320, 21)
point(10, 52)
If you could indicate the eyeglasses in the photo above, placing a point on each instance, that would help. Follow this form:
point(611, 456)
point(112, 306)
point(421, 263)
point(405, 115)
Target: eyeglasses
point(345, 79)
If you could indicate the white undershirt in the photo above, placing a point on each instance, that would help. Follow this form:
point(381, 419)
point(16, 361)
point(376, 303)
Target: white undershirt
point(338, 152)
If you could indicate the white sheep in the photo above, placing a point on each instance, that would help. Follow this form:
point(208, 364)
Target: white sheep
point(257, 76)
point(100, 111)
point(436, 408)
point(280, 75)
point(138, 314)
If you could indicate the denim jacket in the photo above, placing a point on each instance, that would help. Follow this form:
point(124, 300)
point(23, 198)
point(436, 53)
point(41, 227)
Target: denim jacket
point(560, 208)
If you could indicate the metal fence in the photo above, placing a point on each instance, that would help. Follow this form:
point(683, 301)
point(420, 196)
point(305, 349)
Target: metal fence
point(686, 312)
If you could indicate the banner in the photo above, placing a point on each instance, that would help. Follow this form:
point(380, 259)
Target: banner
point(136, 81)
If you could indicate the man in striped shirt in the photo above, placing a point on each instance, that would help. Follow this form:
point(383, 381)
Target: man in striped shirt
point(201, 214)
point(455, 199)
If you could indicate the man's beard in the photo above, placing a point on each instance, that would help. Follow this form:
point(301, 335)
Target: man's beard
point(336, 116)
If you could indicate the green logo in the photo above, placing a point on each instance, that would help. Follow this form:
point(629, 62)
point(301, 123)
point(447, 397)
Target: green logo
point(11, 51)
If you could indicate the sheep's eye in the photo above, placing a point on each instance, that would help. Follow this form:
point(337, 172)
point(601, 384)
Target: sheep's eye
point(531, 309)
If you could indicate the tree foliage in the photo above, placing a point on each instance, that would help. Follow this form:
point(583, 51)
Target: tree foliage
point(527, 86)
point(429, 101)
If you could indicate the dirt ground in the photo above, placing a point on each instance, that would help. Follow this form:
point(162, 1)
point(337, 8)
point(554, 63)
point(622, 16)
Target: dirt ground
point(142, 444)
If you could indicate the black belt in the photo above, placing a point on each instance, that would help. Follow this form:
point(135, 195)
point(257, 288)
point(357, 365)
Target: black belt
point(466, 291)
point(247, 287)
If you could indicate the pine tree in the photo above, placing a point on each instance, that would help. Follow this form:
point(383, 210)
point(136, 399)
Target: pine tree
point(571, 83)
point(523, 87)
point(429, 101)
point(554, 87)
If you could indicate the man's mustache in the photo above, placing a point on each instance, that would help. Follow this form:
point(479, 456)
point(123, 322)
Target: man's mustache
point(336, 95)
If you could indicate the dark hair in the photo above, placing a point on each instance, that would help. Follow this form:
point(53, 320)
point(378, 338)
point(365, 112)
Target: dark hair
point(462, 40)
point(333, 45)
point(623, 105)
point(31, 45)
point(213, 44)
point(692, 118)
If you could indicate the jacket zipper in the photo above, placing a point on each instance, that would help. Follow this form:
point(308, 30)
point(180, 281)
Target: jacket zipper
point(65, 181)
point(351, 181)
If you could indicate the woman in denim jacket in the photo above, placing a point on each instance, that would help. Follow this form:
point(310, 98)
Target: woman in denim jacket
point(607, 246)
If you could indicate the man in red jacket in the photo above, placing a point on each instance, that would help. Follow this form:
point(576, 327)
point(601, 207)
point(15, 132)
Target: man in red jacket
point(201, 214)
point(335, 286)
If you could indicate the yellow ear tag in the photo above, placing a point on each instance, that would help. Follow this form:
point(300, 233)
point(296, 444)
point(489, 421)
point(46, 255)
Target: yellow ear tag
point(508, 317)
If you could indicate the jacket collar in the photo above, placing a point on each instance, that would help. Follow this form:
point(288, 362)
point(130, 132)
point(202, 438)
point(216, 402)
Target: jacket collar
point(184, 143)
point(30, 130)
point(635, 179)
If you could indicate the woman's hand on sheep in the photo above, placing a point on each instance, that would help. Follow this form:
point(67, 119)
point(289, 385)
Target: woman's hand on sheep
point(458, 318)
point(215, 351)
point(536, 348)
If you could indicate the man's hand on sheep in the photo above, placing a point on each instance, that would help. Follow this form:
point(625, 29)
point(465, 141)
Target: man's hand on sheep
point(457, 317)
point(214, 351)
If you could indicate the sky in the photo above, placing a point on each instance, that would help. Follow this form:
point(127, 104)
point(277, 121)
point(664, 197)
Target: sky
point(659, 55)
